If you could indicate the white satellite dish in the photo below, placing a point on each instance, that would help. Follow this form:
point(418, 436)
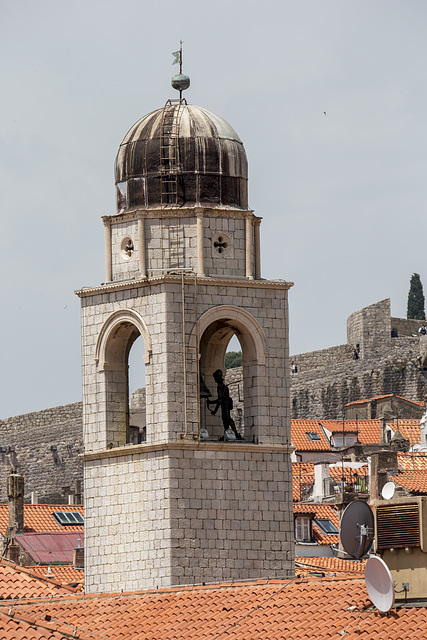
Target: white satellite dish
point(379, 583)
point(388, 490)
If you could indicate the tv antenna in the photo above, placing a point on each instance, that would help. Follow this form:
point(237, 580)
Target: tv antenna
point(357, 529)
point(379, 583)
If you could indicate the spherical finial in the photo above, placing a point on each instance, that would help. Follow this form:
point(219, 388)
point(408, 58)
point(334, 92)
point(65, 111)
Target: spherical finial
point(180, 82)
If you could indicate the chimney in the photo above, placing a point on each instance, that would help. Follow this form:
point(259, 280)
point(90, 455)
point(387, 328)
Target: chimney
point(322, 482)
point(383, 463)
point(79, 556)
point(15, 494)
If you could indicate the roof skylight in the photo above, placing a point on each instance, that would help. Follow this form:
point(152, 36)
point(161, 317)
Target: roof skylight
point(69, 518)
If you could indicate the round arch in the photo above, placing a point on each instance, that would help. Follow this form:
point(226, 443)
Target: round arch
point(239, 321)
point(116, 337)
point(215, 329)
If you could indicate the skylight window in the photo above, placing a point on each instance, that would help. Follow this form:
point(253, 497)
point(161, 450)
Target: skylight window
point(312, 435)
point(326, 525)
point(69, 518)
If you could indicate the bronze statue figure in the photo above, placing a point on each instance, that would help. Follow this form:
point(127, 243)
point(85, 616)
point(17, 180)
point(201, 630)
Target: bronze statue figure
point(225, 402)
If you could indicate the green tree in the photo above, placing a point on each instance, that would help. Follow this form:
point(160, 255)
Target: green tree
point(233, 359)
point(416, 309)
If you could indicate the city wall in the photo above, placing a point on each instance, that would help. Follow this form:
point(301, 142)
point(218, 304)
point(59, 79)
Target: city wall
point(44, 446)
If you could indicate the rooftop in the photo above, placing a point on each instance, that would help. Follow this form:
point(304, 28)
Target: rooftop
point(39, 517)
point(321, 608)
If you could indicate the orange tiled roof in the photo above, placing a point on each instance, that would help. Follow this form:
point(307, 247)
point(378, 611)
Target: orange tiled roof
point(300, 440)
point(409, 428)
point(387, 395)
point(302, 478)
point(298, 609)
point(38, 517)
point(321, 510)
point(23, 582)
point(65, 574)
point(303, 566)
point(414, 460)
point(369, 431)
point(413, 480)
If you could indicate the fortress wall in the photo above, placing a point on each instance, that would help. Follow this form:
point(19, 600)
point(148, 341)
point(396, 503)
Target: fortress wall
point(46, 472)
point(405, 327)
point(370, 328)
point(325, 395)
point(317, 360)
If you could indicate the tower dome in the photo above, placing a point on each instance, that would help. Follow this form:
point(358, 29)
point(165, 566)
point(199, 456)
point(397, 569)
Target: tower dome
point(181, 156)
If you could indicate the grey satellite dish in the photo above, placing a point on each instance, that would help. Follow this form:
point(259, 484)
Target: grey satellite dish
point(388, 490)
point(357, 529)
point(379, 583)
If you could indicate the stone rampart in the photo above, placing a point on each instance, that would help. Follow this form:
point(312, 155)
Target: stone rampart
point(44, 446)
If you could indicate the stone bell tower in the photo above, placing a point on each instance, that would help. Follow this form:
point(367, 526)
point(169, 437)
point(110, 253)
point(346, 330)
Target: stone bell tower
point(182, 254)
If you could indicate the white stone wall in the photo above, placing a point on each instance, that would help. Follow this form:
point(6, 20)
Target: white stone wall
point(231, 262)
point(171, 243)
point(124, 268)
point(196, 513)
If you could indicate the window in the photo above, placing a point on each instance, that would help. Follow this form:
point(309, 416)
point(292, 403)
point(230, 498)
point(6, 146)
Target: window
point(326, 525)
point(69, 518)
point(303, 529)
point(312, 435)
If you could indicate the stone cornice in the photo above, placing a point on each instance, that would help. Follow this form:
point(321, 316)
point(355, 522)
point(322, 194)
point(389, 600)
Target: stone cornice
point(184, 212)
point(187, 445)
point(123, 285)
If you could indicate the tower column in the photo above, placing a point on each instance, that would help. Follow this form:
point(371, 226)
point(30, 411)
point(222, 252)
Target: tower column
point(257, 250)
point(249, 249)
point(200, 246)
point(141, 247)
point(108, 259)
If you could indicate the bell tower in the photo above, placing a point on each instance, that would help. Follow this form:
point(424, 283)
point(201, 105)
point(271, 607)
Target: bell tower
point(189, 503)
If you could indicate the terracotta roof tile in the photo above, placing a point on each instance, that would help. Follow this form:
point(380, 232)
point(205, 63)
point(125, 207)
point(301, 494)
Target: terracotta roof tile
point(387, 395)
point(22, 582)
point(413, 460)
point(409, 428)
point(300, 439)
point(369, 431)
point(293, 609)
point(65, 574)
point(330, 565)
point(39, 518)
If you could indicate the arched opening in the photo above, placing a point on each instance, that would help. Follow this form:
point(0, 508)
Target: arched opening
point(219, 328)
point(136, 393)
point(115, 350)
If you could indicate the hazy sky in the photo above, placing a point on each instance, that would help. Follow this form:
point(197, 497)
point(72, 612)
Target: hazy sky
point(343, 195)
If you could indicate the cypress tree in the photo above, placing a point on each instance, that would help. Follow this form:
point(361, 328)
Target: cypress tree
point(416, 309)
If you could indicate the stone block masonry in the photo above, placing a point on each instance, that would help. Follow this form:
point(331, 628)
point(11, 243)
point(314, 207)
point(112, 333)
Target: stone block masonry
point(223, 511)
point(44, 446)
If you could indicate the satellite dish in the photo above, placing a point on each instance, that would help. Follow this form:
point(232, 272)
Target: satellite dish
point(379, 583)
point(388, 490)
point(357, 529)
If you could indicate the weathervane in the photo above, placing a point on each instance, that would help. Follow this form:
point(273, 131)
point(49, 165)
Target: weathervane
point(180, 82)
